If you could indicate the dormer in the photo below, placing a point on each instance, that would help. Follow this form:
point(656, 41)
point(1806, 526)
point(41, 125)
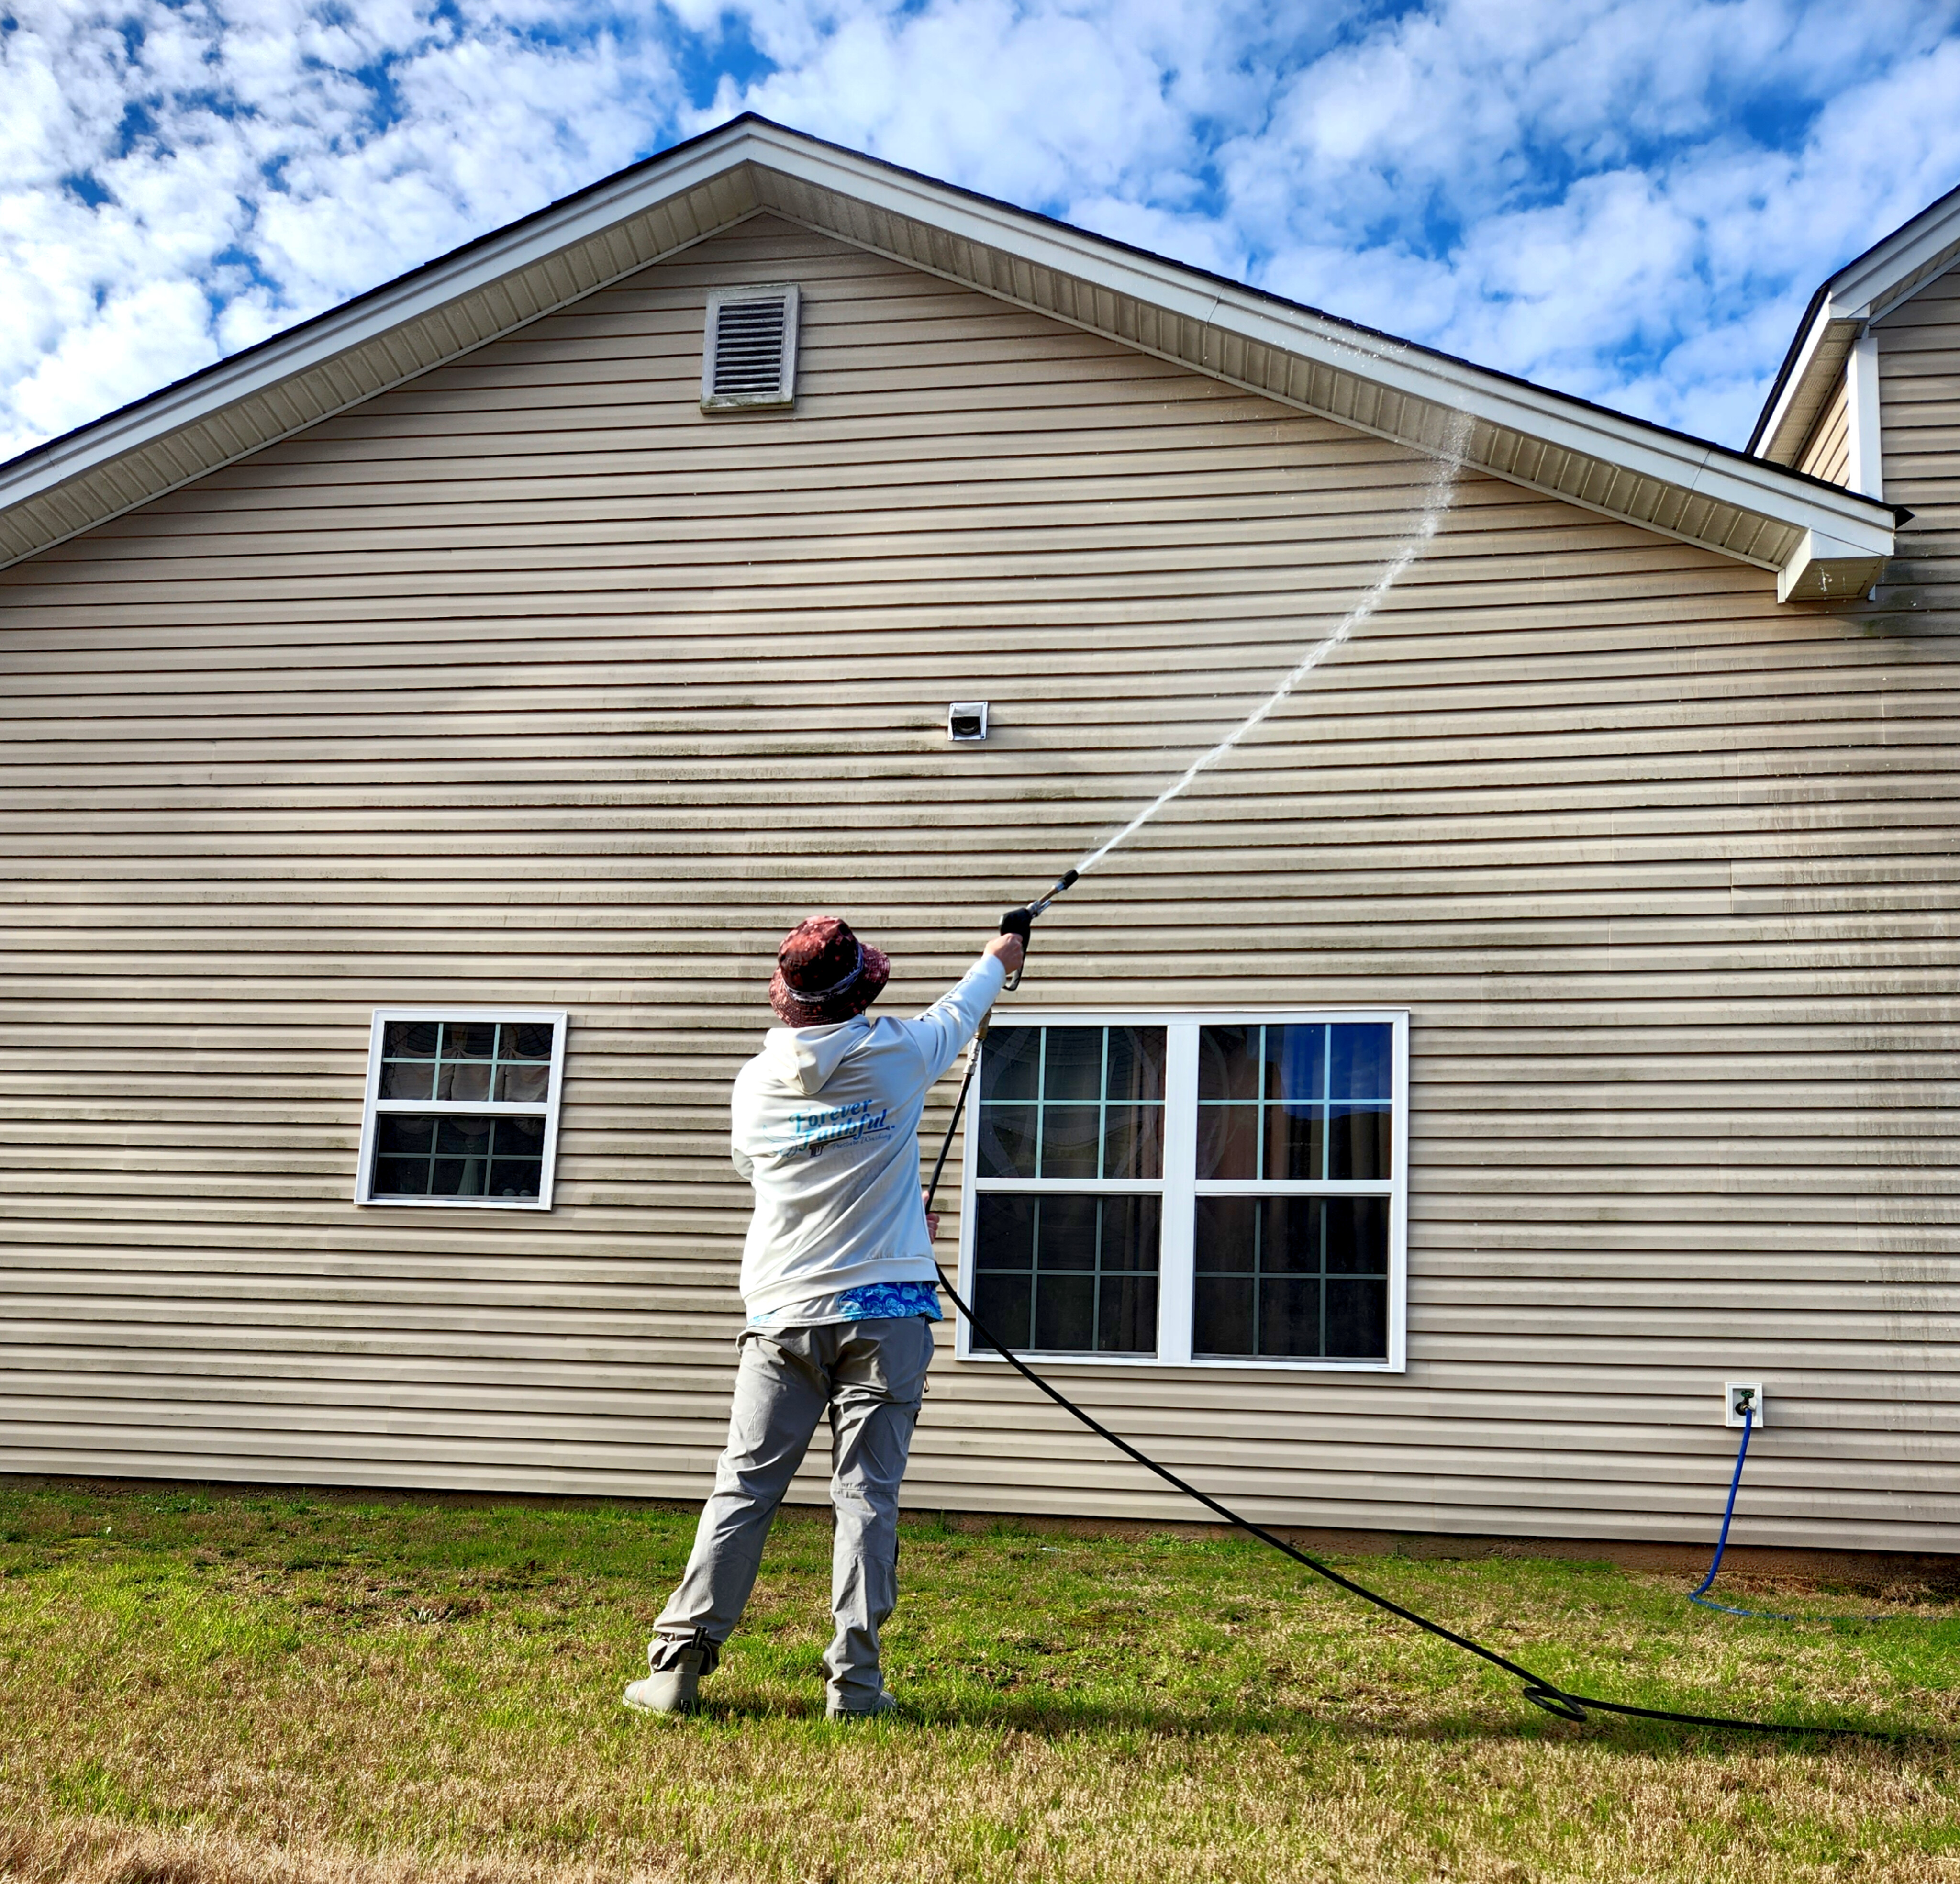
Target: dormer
point(1825, 415)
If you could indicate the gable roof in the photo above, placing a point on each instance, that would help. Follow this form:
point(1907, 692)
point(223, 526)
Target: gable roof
point(1888, 273)
point(1820, 539)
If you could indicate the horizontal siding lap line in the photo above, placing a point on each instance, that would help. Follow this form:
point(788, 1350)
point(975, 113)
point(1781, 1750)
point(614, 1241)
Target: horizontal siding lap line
point(652, 1429)
point(1133, 722)
point(1661, 1421)
point(607, 694)
point(1669, 1411)
point(1265, 1494)
point(1653, 762)
point(1513, 1332)
point(1831, 843)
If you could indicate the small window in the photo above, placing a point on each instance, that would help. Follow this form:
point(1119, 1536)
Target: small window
point(748, 356)
point(1192, 1190)
point(462, 1109)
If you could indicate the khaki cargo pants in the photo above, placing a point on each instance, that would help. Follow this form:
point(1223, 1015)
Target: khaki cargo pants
point(869, 1376)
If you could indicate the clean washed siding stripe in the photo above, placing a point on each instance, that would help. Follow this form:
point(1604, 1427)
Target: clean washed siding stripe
point(525, 684)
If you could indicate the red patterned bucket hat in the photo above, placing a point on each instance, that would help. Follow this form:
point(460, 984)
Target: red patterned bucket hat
point(824, 973)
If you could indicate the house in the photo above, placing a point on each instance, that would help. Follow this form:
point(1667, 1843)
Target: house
point(421, 726)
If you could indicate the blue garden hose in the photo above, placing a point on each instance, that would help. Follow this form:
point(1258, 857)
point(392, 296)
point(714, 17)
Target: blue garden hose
point(1697, 1594)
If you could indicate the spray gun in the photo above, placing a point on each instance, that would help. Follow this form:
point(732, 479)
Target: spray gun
point(1021, 922)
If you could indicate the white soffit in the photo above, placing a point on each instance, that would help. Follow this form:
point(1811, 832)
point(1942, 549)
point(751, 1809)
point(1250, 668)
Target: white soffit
point(1888, 273)
point(1816, 537)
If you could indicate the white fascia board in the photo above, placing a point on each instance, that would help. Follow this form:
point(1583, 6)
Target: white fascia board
point(1827, 569)
point(374, 316)
point(1749, 484)
point(993, 225)
point(1856, 293)
point(1798, 382)
point(1700, 469)
point(1860, 293)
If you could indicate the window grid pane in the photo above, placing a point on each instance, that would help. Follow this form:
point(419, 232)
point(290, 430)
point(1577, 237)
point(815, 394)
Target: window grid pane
point(1048, 1108)
point(1062, 1274)
point(506, 1061)
point(451, 1154)
point(1291, 1279)
point(1297, 1100)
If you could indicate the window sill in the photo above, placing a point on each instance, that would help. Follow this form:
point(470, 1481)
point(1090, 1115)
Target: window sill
point(1207, 1364)
point(452, 1203)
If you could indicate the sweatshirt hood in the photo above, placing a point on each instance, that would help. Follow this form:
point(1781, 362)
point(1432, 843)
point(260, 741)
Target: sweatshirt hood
point(805, 1058)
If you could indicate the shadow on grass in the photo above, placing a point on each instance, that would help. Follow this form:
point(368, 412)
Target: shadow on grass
point(1058, 1720)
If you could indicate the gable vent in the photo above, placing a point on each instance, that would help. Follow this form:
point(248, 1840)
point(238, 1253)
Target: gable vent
point(749, 357)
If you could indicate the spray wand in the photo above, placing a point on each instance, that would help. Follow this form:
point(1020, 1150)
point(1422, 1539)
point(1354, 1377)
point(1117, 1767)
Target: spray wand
point(1020, 922)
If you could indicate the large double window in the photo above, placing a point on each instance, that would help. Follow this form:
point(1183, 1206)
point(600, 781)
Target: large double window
point(1190, 1189)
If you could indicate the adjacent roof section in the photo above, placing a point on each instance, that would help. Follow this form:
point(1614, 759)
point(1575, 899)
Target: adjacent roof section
point(1819, 539)
point(1839, 311)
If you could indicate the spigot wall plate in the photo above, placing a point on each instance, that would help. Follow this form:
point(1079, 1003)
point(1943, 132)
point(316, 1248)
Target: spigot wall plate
point(1732, 1391)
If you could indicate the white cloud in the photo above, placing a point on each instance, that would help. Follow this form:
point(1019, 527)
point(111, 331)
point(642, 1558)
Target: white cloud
point(1034, 103)
point(1571, 192)
point(247, 167)
point(1627, 199)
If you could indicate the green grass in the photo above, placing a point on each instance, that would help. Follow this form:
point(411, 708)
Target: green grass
point(203, 1684)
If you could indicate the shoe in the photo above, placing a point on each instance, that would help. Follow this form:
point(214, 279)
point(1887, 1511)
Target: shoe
point(675, 1690)
point(886, 1702)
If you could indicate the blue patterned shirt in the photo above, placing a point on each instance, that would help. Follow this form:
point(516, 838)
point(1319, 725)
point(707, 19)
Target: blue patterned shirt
point(875, 1302)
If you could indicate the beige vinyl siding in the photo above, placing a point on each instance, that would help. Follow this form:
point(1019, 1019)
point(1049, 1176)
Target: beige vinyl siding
point(1919, 400)
point(526, 684)
point(1828, 453)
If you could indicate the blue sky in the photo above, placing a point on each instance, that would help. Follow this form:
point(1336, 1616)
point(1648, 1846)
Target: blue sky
point(1629, 199)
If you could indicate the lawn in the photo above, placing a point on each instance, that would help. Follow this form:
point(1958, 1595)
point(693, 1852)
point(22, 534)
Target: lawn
point(273, 1688)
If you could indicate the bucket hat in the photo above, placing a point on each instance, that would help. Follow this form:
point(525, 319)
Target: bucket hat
point(825, 974)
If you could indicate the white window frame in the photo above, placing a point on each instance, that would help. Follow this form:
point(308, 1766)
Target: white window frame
point(374, 1106)
point(1180, 1187)
point(784, 397)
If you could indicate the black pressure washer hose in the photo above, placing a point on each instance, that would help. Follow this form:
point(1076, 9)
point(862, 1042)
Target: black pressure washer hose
point(1538, 1690)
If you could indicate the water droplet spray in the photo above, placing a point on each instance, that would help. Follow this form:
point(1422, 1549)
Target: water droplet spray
point(1441, 489)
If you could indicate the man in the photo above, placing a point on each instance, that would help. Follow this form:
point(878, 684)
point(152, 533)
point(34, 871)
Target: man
point(837, 1277)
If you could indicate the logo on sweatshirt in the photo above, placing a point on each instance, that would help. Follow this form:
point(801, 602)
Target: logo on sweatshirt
point(823, 1126)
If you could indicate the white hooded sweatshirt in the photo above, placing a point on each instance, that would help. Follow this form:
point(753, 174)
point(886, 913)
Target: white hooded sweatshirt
point(826, 1125)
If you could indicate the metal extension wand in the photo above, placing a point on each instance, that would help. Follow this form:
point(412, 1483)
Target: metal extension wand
point(1021, 922)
